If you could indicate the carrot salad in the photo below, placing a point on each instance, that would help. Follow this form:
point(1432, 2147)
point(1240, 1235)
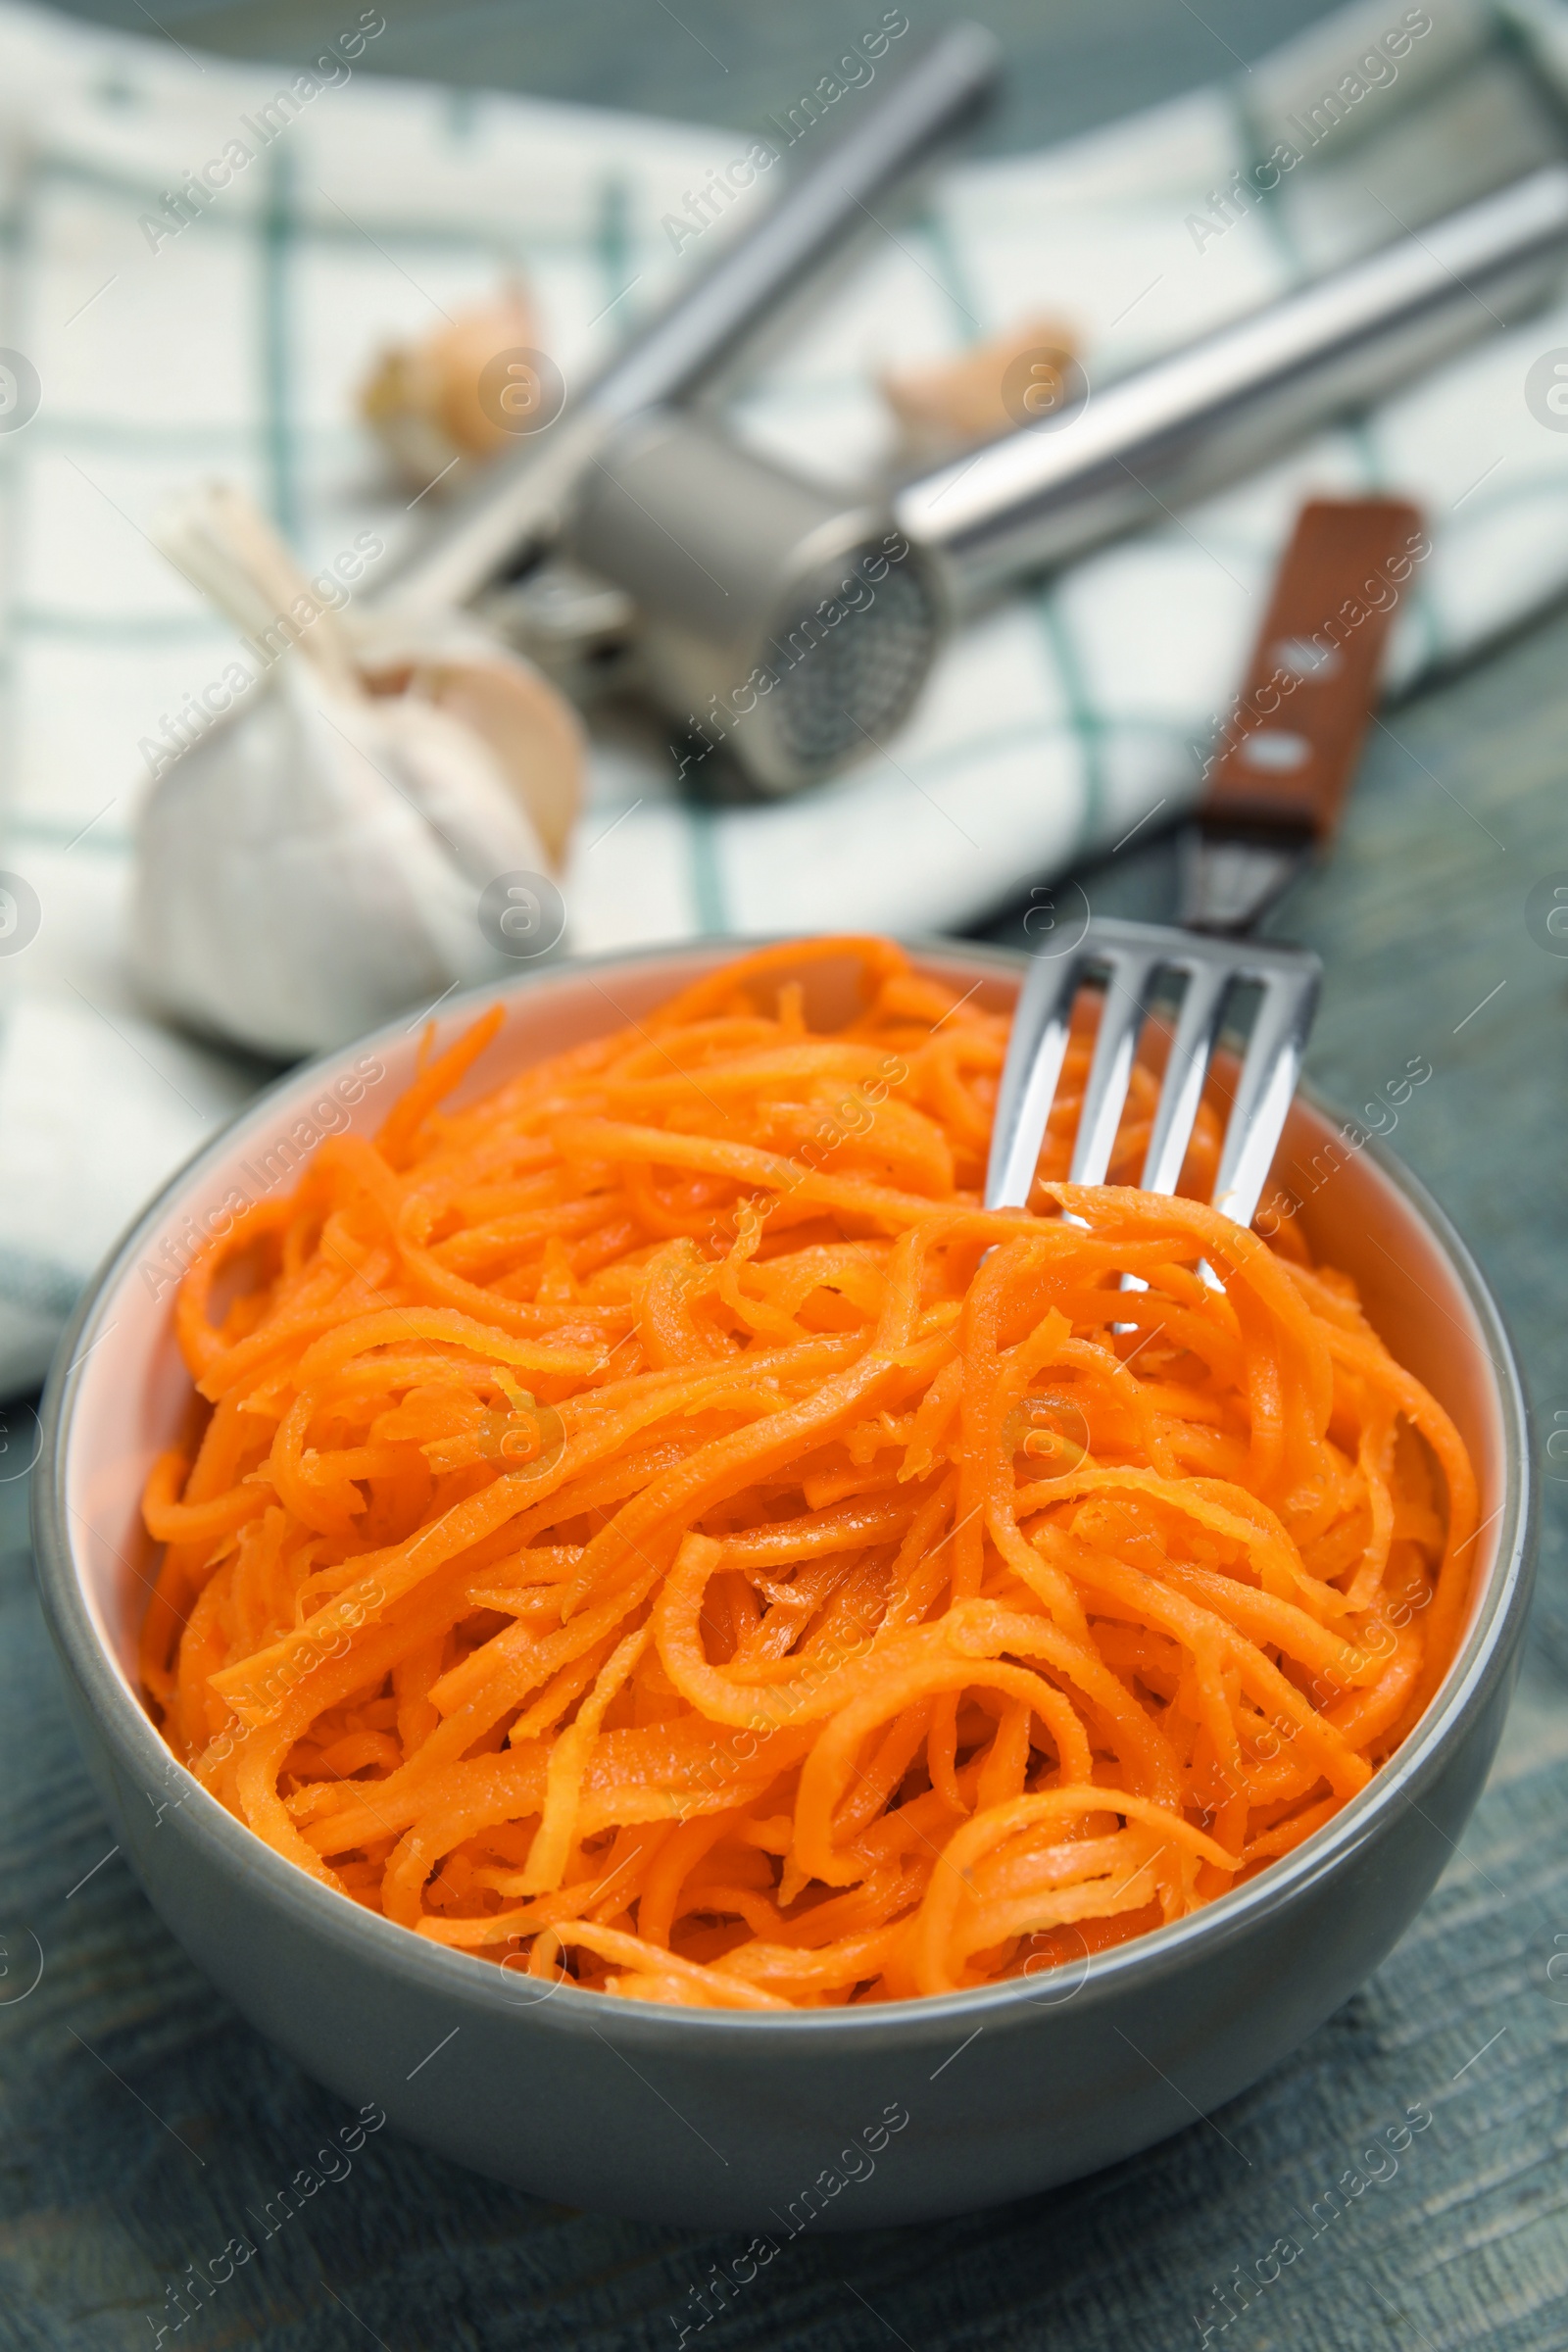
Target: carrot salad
point(648, 1527)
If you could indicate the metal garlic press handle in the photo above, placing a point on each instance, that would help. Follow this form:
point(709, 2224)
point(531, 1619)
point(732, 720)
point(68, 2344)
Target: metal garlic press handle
point(1211, 413)
point(520, 507)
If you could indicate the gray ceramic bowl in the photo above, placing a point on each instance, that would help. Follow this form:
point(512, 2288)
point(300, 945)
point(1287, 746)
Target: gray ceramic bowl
point(841, 2117)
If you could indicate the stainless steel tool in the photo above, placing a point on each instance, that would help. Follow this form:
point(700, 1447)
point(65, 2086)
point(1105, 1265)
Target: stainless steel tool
point(758, 629)
point(718, 564)
point(1209, 414)
point(1129, 959)
point(1274, 791)
point(519, 505)
point(791, 626)
point(794, 626)
point(760, 626)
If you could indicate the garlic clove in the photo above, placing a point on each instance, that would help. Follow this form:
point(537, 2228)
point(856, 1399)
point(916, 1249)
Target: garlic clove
point(947, 405)
point(313, 865)
point(422, 399)
point(534, 733)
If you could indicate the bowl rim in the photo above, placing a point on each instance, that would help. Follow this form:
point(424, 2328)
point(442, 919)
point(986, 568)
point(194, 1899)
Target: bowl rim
point(138, 1747)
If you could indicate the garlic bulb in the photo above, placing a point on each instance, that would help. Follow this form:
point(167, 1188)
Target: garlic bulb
point(947, 405)
point(314, 862)
point(422, 399)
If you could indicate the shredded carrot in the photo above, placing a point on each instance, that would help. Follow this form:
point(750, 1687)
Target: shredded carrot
point(652, 1529)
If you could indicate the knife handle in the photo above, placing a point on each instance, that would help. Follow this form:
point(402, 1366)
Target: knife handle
point(1290, 747)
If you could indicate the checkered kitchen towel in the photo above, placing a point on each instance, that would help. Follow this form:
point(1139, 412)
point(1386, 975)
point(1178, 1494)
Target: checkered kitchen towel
point(234, 346)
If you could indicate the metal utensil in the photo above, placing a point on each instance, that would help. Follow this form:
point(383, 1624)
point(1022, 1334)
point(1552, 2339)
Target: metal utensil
point(759, 610)
point(752, 618)
point(1274, 792)
point(1129, 958)
point(752, 612)
point(794, 625)
point(1209, 414)
point(518, 508)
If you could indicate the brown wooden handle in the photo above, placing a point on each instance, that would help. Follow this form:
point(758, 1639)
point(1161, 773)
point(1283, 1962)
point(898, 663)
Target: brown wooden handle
point(1290, 748)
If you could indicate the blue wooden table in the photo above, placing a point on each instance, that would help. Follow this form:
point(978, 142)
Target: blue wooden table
point(143, 2126)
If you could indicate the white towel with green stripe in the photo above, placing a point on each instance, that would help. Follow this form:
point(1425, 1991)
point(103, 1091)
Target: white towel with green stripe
point(352, 211)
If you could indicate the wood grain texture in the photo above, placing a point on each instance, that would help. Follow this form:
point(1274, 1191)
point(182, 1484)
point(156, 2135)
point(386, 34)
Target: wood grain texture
point(1312, 683)
point(142, 2125)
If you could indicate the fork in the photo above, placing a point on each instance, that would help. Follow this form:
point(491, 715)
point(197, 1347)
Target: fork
point(1131, 957)
point(1274, 792)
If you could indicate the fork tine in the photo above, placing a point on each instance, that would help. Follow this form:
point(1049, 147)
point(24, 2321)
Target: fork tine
point(1121, 1020)
point(1134, 953)
point(1267, 1085)
point(1035, 1055)
point(1192, 1049)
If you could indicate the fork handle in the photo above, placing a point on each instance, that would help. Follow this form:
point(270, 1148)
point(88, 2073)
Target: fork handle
point(1290, 745)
